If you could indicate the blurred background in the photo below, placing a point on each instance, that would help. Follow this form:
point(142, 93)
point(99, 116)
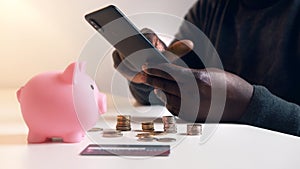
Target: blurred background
point(38, 36)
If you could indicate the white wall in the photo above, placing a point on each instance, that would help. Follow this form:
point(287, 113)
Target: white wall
point(38, 35)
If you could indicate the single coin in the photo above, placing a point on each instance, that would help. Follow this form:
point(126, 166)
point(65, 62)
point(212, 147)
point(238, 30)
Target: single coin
point(111, 133)
point(166, 139)
point(95, 129)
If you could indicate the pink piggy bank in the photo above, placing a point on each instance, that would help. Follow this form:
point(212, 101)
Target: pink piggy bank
point(61, 104)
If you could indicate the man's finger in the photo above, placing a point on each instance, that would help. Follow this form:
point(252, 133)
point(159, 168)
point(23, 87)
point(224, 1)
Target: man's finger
point(167, 98)
point(168, 86)
point(172, 102)
point(116, 58)
point(154, 39)
point(169, 71)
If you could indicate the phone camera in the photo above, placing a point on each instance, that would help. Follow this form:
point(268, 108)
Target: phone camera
point(95, 25)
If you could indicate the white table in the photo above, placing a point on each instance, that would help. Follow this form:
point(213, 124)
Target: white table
point(231, 146)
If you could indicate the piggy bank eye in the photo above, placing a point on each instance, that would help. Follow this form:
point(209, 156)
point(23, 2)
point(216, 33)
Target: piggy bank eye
point(92, 87)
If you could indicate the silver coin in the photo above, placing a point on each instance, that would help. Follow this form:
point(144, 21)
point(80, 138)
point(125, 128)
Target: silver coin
point(112, 134)
point(95, 129)
point(111, 131)
point(166, 139)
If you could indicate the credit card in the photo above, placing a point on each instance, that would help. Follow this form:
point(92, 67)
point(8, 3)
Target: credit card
point(126, 150)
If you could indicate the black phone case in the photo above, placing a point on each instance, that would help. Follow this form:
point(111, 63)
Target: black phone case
point(117, 29)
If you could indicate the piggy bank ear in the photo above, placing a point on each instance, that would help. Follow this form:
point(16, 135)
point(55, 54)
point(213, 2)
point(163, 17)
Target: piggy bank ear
point(67, 75)
point(79, 71)
point(82, 67)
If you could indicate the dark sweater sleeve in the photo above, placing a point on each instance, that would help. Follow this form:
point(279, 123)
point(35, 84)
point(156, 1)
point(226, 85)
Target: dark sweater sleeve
point(268, 111)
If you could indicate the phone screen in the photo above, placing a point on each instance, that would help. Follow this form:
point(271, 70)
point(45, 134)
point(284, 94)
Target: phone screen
point(117, 29)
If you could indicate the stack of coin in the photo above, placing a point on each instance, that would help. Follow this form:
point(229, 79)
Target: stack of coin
point(169, 124)
point(111, 133)
point(194, 129)
point(148, 126)
point(123, 123)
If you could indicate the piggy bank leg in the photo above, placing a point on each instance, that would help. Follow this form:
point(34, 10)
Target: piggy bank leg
point(73, 137)
point(35, 137)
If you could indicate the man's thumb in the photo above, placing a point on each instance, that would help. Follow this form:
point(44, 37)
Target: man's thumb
point(179, 49)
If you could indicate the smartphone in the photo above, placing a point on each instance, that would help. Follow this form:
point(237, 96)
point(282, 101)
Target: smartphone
point(120, 32)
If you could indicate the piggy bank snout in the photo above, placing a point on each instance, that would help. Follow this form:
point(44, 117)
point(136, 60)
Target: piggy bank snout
point(102, 103)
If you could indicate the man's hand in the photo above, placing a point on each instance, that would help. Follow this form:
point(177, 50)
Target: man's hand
point(182, 93)
point(129, 72)
point(174, 84)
